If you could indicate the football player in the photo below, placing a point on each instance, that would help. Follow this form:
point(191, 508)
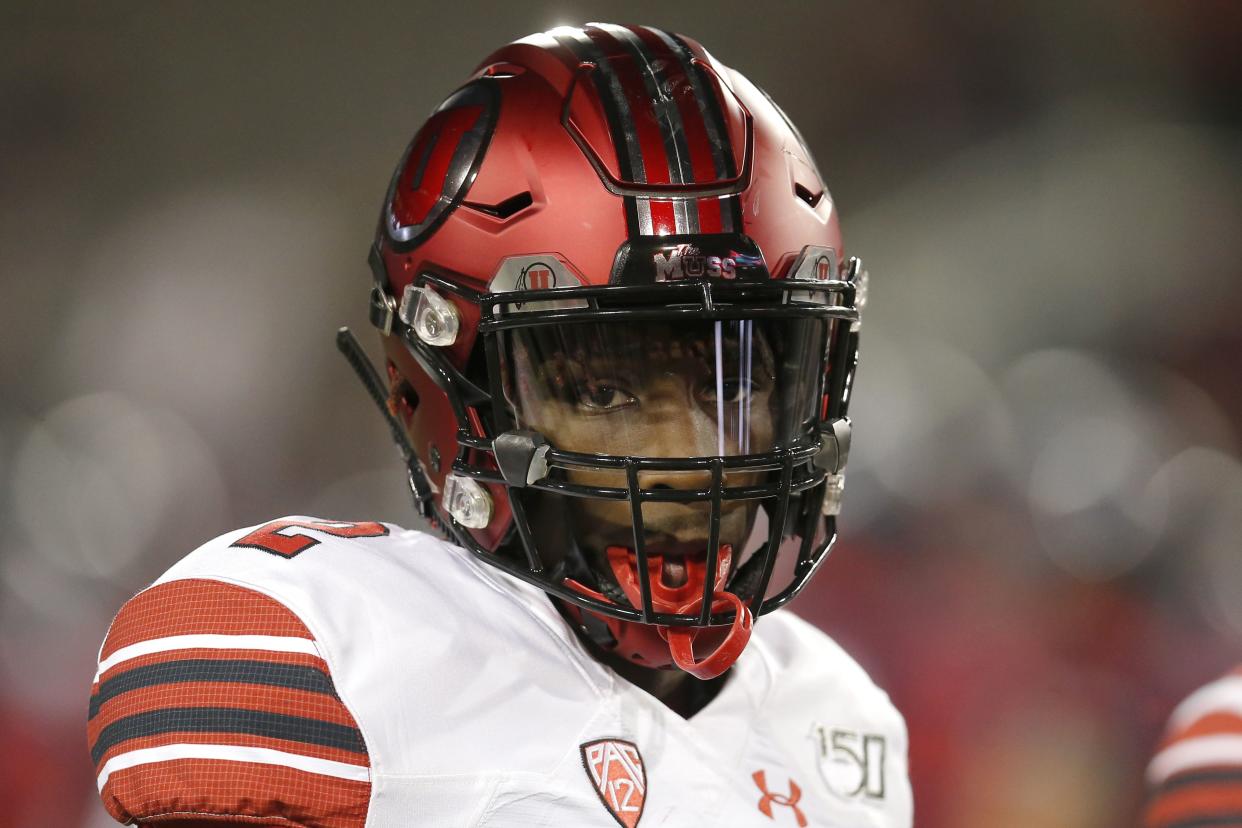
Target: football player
point(1195, 778)
point(619, 338)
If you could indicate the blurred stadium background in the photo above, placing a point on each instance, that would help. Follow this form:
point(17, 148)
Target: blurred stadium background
point(1042, 543)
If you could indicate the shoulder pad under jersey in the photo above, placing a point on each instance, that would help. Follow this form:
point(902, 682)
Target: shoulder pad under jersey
point(360, 657)
point(212, 699)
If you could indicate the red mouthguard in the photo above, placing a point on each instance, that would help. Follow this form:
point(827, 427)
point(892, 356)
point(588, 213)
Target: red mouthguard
point(687, 598)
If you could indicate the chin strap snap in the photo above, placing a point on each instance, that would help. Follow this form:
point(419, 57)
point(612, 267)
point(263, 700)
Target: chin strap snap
point(687, 599)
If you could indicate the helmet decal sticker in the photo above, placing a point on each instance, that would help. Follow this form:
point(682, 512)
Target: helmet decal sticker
point(688, 256)
point(540, 271)
point(439, 165)
point(815, 264)
point(685, 261)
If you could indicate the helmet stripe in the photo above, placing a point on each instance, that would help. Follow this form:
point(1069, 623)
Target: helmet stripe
point(694, 129)
point(644, 125)
point(656, 80)
point(713, 121)
point(616, 109)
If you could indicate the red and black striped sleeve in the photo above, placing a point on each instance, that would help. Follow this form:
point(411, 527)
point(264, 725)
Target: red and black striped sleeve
point(212, 702)
point(1196, 775)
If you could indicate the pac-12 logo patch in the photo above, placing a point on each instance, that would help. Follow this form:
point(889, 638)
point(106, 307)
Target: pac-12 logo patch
point(616, 769)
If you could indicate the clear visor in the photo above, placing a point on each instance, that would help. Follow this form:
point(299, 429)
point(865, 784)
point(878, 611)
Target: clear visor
point(658, 389)
point(696, 389)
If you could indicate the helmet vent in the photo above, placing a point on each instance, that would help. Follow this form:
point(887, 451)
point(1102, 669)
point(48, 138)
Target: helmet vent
point(503, 70)
point(505, 209)
point(806, 195)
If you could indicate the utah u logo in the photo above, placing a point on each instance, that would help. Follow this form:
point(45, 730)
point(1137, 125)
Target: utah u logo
point(535, 276)
point(769, 798)
point(435, 171)
point(539, 278)
point(616, 769)
point(823, 269)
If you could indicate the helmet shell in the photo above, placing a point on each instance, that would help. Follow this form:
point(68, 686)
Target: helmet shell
point(571, 143)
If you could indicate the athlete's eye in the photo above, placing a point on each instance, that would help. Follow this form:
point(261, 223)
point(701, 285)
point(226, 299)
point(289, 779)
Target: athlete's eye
point(603, 398)
point(731, 391)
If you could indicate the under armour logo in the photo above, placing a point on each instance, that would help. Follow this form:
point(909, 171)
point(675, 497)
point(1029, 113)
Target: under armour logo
point(769, 799)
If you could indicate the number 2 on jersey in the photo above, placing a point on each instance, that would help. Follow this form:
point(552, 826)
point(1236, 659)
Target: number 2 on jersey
point(288, 538)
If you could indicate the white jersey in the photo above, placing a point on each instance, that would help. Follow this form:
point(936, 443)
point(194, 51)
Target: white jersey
point(347, 675)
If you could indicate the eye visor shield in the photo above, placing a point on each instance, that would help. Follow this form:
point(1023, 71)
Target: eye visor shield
point(805, 447)
point(798, 464)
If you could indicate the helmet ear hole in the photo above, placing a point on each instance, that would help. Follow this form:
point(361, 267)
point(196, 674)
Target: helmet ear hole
point(402, 398)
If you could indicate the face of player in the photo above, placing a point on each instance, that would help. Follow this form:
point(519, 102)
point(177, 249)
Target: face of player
point(701, 389)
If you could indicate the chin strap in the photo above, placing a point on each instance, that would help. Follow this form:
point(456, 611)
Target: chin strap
point(684, 599)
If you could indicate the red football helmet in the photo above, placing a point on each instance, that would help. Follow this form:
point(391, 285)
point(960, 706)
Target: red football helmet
point(620, 337)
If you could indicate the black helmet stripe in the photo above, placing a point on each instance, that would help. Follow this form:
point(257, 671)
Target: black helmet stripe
point(617, 111)
point(713, 120)
point(668, 117)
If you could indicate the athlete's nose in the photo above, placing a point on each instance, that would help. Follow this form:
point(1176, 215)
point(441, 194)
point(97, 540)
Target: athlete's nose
point(681, 427)
point(685, 432)
point(686, 480)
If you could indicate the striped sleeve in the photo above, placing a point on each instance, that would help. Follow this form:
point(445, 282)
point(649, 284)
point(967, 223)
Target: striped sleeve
point(212, 702)
point(1196, 775)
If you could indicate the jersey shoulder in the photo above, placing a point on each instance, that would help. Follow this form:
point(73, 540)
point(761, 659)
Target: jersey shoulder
point(807, 664)
point(305, 664)
point(382, 598)
point(835, 722)
point(214, 700)
point(1196, 772)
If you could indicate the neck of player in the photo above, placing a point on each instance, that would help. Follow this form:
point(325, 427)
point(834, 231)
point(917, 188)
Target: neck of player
point(679, 691)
